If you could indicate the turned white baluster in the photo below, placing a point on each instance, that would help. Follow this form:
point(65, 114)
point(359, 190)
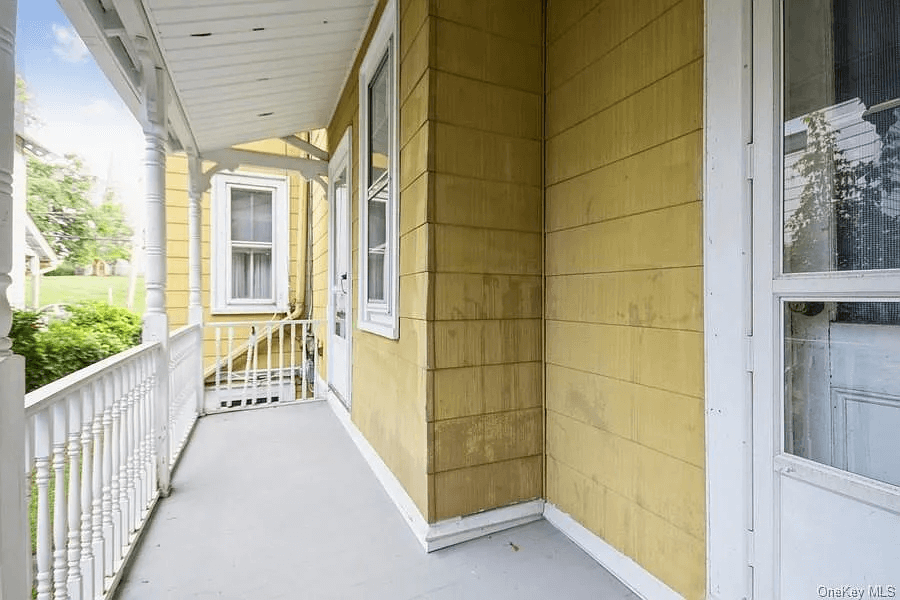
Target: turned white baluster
point(281, 360)
point(218, 362)
point(230, 350)
point(268, 363)
point(135, 444)
point(29, 469)
point(106, 505)
point(87, 443)
point(126, 473)
point(60, 565)
point(73, 582)
point(42, 480)
point(115, 507)
point(140, 465)
point(293, 359)
point(303, 361)
point(175, 397)
point(150, 475)
point(97, 487)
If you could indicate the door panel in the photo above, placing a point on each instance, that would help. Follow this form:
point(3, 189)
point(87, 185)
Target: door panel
point(826, 426)
point(834, 541)
point(339, 274)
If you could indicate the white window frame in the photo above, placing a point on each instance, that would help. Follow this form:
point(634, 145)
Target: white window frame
point(382, 318)
point(220, 243)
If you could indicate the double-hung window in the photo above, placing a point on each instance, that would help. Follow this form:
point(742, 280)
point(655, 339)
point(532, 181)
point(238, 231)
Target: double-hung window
point(379, 238)
point(250, 241)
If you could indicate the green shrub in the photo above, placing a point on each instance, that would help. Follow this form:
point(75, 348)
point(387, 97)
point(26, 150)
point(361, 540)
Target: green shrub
point(90, 332)
point(63, 270)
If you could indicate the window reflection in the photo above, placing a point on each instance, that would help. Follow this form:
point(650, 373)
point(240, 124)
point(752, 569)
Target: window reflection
point(841, 201)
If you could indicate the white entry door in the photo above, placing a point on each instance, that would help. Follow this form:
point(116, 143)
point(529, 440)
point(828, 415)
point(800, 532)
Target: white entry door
point(826, 316)
point(339, 275)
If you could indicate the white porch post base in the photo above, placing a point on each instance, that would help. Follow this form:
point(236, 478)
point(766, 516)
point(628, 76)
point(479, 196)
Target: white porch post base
point(434, 536)
point(633, 575)
point(14, 532)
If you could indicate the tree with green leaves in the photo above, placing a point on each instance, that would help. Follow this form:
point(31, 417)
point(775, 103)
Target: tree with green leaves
point(59, 202)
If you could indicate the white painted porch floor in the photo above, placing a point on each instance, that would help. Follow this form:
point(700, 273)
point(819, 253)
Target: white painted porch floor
point(278, 503)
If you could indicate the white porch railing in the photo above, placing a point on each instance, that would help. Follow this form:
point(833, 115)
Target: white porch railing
point(91, 458)
point(262, 363)
point(185, 385)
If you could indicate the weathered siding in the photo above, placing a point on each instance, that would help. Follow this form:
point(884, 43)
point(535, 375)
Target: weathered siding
point(391, 378)
point(178, 242)
point(624, 342)
point(487, 421)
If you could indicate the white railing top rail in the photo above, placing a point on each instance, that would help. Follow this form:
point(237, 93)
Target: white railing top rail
point(183, 331)
point(46, 395)
point(263, 323)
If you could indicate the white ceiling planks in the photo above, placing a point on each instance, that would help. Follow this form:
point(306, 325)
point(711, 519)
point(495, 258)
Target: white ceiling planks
point(248, 69)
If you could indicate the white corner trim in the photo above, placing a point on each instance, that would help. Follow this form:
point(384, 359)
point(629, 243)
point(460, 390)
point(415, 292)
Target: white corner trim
point(462, 529)
point(633, 575)
point(445, 533)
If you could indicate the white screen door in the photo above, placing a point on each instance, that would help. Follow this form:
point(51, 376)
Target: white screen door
point(826, 318)
point(339, 275)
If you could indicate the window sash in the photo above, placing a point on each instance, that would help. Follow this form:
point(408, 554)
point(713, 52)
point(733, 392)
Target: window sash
point(378, 193)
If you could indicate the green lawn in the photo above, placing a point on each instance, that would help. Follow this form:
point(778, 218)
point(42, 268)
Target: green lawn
point(63, 290)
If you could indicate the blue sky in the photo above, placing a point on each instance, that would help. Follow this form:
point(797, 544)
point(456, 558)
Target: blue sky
point(78, 109)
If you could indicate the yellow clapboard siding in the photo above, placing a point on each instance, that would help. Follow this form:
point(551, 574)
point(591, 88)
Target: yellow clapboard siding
point(470, 343)
point(671, 107)
point(667, 175)
point(461, 200)
point(487, 438)
point(484, 389)
point(665, 45)
point(473, 489)
point(661, 298)
point(484, 296)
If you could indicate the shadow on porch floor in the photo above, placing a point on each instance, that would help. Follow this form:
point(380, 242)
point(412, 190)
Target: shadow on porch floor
point(278, 503)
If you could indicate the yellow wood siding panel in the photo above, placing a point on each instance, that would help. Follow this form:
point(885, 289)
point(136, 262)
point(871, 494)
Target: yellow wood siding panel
point(390, 378)
point(624, 289)
point(468, 391)
point(473, 489)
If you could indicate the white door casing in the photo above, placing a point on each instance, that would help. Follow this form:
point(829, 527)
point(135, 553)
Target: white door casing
point(817, 526)
point(340, 277)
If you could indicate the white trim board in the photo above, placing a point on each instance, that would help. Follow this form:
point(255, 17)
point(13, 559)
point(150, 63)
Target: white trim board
point(630, 573)
point(445, 533)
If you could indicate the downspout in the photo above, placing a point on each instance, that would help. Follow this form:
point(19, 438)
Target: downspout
point(544, 51)
point(307, 300)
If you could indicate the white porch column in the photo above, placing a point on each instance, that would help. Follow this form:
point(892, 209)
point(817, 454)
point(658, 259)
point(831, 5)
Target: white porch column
point(195, 222)
point(156, 321)
point(14, 552)
point(195, 260)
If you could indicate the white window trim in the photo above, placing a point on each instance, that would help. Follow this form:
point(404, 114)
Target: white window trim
point(220, 268)
point(380, 318)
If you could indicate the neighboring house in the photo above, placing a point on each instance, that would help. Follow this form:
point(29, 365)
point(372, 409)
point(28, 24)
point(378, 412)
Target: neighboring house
point(40, 258)
point(549, 261)
point(28, 244)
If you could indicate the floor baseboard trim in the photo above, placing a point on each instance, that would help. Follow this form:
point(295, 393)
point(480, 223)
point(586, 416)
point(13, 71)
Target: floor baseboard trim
point(633, 575)
point(434, 536)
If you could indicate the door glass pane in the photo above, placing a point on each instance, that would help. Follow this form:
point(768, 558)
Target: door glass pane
point(379, 121)
point(842, 385)
point(841, 196)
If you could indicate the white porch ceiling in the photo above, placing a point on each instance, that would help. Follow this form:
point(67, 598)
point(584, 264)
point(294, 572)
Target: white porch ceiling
point(255, 69)
point(239, 70)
